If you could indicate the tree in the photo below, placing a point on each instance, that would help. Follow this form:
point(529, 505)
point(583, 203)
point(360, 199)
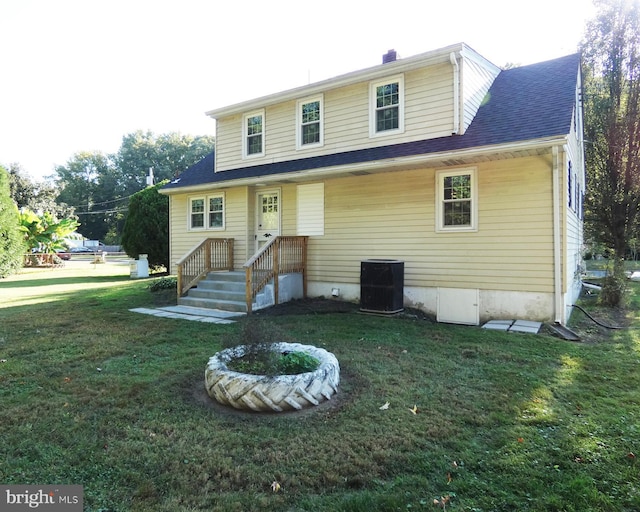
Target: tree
point(44, 232)
point(99, 186)
point(168, 154)
point(33, 195)
point(12, 247)
point(81, 184)
point(146, 230)
point(611, 52)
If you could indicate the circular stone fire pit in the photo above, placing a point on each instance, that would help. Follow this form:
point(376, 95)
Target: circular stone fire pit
point(276, 393)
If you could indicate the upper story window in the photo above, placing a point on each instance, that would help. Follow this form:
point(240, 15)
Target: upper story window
point(206, 212)
point(310, 120)
point(386, 106)
point(457, 200)
point(253, 136)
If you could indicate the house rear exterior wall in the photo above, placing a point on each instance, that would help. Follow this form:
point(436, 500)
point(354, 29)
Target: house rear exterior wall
point(392, 215)
point(428, 114)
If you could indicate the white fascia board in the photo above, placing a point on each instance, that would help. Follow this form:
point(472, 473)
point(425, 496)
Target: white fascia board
point(374, 165)
point(440, 55)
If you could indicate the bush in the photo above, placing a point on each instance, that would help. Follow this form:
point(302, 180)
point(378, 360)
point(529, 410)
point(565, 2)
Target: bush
point(164, 283)
point(146, 230)
point(12, 245)
point(614, 285)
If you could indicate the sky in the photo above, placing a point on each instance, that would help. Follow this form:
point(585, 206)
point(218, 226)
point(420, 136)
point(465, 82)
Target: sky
point(78, 75)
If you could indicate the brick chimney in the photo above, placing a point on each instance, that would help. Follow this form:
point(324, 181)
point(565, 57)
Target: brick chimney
point(390, 56)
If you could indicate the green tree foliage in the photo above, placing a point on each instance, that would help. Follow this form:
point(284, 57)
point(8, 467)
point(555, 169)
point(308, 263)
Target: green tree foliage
point(611, 52)
point(35, 195)
point(44, 232)
point(99, 186)
point(168, 154)
point(82, 185)
point(12, 247)
point(146, 230)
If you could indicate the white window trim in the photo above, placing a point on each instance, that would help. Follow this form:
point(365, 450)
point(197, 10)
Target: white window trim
point(245, 148)
point(206, 213)
point(304, 101)
point(372, 106)
point(440, 176)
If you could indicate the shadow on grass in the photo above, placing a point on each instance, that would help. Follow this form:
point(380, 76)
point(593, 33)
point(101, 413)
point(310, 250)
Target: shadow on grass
point(55, 281)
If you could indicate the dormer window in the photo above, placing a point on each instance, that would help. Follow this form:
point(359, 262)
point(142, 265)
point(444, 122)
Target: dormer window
point(386, 99)
point(253, 139)
point(309, 115)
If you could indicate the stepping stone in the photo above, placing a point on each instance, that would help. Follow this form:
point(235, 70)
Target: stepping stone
point(526, 326)
point(498, 325)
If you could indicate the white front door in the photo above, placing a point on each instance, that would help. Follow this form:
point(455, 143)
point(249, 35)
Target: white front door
point(268, 216)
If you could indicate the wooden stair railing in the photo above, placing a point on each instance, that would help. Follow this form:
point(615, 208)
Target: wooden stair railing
point(281, 255)
point(209, 255)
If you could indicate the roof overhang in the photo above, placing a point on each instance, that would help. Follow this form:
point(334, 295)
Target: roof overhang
point(458, 157)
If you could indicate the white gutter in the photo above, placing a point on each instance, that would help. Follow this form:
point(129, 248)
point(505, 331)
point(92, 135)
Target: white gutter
point(375, 165)
point(456, 93)
point(557, 241)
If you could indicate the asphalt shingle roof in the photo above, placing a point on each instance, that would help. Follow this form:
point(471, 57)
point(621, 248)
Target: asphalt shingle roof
point(525, 103)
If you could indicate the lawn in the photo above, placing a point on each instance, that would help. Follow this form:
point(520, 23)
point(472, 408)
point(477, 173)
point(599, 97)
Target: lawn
point(93, 394)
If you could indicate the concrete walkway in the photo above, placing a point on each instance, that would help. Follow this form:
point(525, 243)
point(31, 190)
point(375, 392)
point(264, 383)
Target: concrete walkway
point(212, 316)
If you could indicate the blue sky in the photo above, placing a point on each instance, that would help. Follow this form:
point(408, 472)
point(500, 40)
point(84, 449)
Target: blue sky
point(78, 75)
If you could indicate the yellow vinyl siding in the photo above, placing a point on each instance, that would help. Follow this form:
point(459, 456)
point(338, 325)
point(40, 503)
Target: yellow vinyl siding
point(428, 114)
point(392, 216)
point(182, 240)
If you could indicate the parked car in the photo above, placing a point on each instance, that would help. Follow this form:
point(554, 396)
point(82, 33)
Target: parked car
point(82, 249)
point(63, 255)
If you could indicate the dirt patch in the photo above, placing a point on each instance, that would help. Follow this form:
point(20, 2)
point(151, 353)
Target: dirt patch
point(597, 324)
point(323, 306)
point(311, 306)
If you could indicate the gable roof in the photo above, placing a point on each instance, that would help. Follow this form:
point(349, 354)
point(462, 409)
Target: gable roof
point(523, 104)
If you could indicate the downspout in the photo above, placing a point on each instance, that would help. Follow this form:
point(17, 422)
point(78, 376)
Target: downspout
point(557, 240)
point(456, 93)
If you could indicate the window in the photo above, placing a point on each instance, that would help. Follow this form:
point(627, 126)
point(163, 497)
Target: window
point(216, 213)
point(309, 125)
point(456, 205)
point(197, 213)
point(386, 106)
point(253, 137)
point(210, 208)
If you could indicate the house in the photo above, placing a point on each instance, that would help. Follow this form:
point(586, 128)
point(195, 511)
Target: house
point(472, 176)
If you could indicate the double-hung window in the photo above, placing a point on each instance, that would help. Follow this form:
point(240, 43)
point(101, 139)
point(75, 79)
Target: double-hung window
point(253, 134)
point(206, 212)
point(309, 125)
point(386, 106)
point(456, 200)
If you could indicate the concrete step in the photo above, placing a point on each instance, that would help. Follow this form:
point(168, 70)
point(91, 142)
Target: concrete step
point(218, 290)
point(213, 303)
point(212, 293)
point(235, 276)
point(232, 286)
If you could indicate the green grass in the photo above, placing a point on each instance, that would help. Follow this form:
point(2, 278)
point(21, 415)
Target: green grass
point(93, 394)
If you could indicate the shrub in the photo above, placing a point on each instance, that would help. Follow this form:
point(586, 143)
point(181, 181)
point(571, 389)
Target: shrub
point(164, 283)
point(12, 245)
